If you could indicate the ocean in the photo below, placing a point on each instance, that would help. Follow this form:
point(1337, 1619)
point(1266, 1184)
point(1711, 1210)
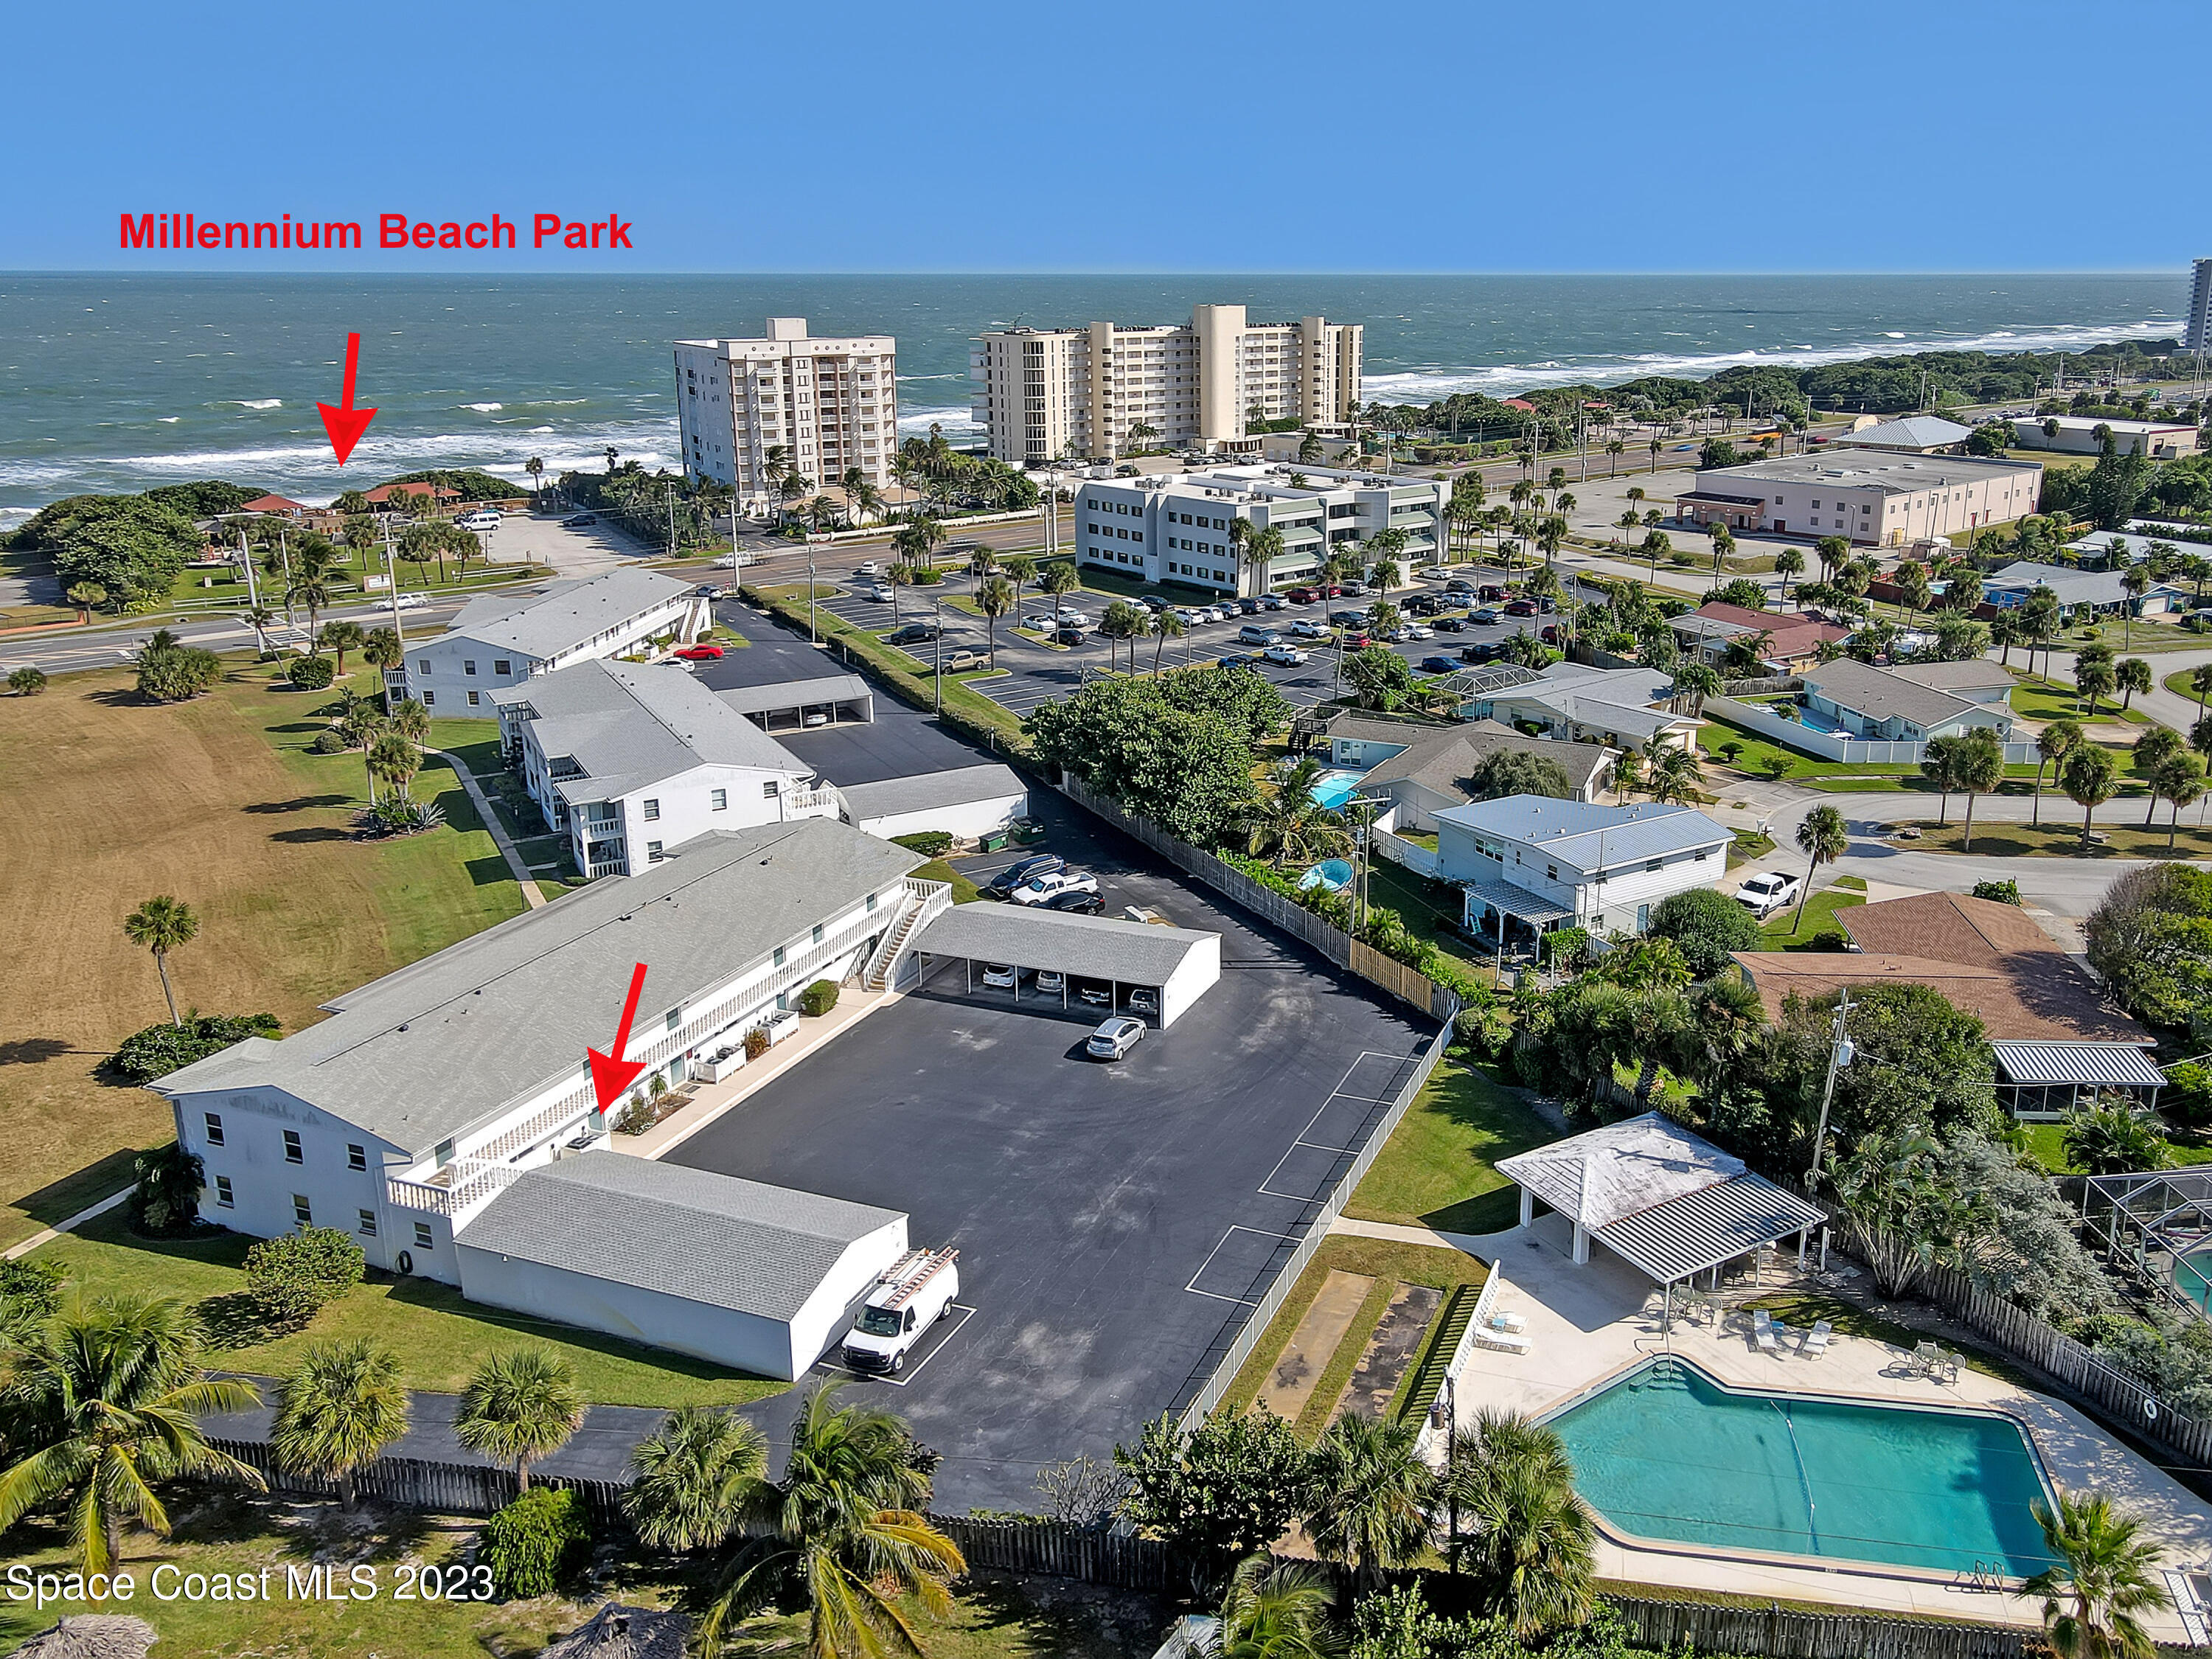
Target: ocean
point(123, 381)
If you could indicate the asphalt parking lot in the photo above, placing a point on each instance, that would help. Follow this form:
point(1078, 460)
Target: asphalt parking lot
point(1116, 1222)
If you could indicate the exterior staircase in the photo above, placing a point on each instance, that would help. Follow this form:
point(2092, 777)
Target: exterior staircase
point(926, 901)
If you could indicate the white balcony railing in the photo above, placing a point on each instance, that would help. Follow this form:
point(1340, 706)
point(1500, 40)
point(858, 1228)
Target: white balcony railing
point(456, 1188)
point(802, 803)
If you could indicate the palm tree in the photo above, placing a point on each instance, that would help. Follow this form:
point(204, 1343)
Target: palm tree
point(1370, 1495)
point(918, 539)
point(2131, 675)
point(844, 1532)
point(1165, 625)
point(1021, 569)
point(162, 924)
point(84, 596)
point(1672, 771)
point(1613, 450)
point(2093, 676)
point(1823, 837)
point(1787, 563)
point(1696, 681)
point(1655, 454)
point(1272, 1611)
point(2106, 1569)
point(1532, 1543)
point(994, 598)
point(1059, 580)
point(1123, 620)
point(1939, 766)
point(612, 455)
point(1657, 546)
point(2052, 745)
point(534, 466)
point(28, 681)
point(338, 1410)
point(520, 1406)
point(109, 1396)
point(2180, 780)
point(1289, 825)
point(342, 637)
point(2135, 581)
point(695, 1475)
point(1978, 766)
point(2090, 776)
point(411, 720)
point(900, 574)
point(395, 760)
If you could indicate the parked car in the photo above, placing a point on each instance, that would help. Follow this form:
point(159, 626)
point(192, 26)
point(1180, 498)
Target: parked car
point(999, 976)
point(1289, 656)
point(1039, 622)
point(1073, 904)
point(1258, 634)
point(1451, 624)
point(1303, 596)
point(1097, 994)
point(1486, 617)
point(1306, 628)
point(1052, 882)
point(1424, 604)
point(701, 652)
point(1238, 660)
point(1353, 589)
point(1271, 602)
point(1066, 633)
point(1480, 653)
point(1028, 869)
point(1439, 664)
point(879, 592)
point(1358, 638)
point(1050, 981)
point(1417, 631)
point(581, 521)
point(1491, 591)
point(1115, 1038)
point(912, 633)
point(1766, 893)
point(1347, 618)
point(1459, 585)
point(486, 518)
point(961, 661)
point(913, 1295)
point(1145, 1002)
point(1522, 608)
point(1152, 602)
point(1247, 606)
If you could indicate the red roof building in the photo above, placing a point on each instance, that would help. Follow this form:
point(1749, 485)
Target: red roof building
point(1713, 626)
point(282, 505)
point(383, 493)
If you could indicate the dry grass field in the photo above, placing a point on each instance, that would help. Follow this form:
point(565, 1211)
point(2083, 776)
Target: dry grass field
point(110, 801)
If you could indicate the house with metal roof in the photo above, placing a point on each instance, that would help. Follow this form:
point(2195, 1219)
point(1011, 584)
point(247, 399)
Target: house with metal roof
point(2080, 592)
point(1858, 700)
point(499, 640)
point(427, 1093)
point(1669, 1203)
point(1528, 864)
point(758, 1278)
point(1622, 707)
point(966, 801)
point(1912, 435)
point(1422, 768)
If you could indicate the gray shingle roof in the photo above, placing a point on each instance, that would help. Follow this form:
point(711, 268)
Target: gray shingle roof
point(926, 791)
point(1974, 673)
point(706, 1237)
point(1880, 696)
point(564, 616)
point(631, 724)
point(1913, 432)
point(2070, 586)
point(1442, 760)
point(1094, 947)
point(441, 1045)
point(1588, 836)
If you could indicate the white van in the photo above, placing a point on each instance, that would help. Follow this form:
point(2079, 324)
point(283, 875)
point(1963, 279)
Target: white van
point(914, 1292)
point(485, 518)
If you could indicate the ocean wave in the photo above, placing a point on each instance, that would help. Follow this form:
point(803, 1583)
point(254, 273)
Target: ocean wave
point(256, 403)
point(485, 409)
point(958, 421)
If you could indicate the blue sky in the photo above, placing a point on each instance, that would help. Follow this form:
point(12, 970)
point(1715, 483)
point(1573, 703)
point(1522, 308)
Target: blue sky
point(1585, 137)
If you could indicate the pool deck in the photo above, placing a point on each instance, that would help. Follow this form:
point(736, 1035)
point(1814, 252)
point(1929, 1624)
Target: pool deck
point(1586, 1324)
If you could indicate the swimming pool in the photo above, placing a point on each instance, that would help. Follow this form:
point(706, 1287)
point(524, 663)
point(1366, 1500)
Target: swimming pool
point(1333, 789)
point(1667, 1452)
point(2192, 1277)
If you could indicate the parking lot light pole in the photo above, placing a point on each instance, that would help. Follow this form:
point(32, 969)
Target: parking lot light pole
point(937, 644)
point(813, 634)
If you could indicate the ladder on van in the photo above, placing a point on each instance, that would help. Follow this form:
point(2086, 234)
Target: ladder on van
point(924, 1265)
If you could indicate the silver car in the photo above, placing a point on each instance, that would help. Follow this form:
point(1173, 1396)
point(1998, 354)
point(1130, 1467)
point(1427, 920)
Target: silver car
point(1115, 1038)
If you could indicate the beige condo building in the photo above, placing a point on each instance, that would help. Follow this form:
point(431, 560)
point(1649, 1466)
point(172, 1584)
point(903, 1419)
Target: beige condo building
point(830, 404)
point(1044, 394)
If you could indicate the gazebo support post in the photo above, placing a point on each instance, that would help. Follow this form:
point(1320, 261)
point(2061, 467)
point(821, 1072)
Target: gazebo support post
point(1582, 1246)
point(1527, 1207)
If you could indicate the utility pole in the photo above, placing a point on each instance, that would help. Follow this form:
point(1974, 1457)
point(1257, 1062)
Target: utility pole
point(671, 522)
point(813, 635)
point(284, 554)
point(936, 641)
point(1840, 1050)
point(253, 589)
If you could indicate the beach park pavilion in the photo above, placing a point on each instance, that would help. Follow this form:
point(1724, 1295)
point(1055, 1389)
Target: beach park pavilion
point(1669, 1203)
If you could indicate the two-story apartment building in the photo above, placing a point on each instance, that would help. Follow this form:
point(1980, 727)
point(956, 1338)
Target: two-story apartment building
point(1179, 527)
point(428, 1092)
point(1528, 864)
point(628, 760)
point(499, 640)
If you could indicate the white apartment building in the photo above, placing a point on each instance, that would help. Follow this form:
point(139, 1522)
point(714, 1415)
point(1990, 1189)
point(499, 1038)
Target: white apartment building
point(1177, 527)
point(428, 1093)
point(1045, 394)
point(1869, 497)
point(499, 641)
point(1532, 863)
point(829, 404)
point(626, 760)
point(2199, 335)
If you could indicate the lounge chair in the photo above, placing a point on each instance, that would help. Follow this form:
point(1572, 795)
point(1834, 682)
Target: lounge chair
point(1509, 1321)
point(1764, 1332)
point(1508, 1341)
point(1814, 1342)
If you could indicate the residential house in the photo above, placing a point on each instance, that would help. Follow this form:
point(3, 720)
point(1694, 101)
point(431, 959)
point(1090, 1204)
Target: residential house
point(625, 760)
point(1424, 768)
point(2056, 1041)
point(2081, 593)
point(1710, 632)
point(414, 497)
point(499, 640)
point(1881, 704)
point(1624, 708)
point(1977, 679)
point(275, 507)
point(1529, 864)
point(428, 1093)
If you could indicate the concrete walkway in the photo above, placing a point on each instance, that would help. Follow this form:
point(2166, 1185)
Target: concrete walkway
point(507, 849)
point(47, 1235)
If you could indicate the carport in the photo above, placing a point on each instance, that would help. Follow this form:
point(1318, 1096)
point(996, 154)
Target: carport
point(1176, 965)
point(785, 705)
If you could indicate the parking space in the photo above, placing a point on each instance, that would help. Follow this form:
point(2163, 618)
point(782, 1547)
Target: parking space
point(1116, 1221)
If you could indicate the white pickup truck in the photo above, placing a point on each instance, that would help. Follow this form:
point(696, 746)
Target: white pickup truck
point(914, 1292)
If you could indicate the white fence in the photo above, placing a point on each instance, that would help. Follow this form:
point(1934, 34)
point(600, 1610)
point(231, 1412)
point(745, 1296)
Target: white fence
point(1433, 1437)
point(1421, 861)
point(1834, 746)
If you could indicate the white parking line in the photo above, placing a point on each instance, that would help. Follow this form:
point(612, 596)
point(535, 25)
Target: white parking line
point(1241, 1301)
point(902, 1378)
point(1296, 1198)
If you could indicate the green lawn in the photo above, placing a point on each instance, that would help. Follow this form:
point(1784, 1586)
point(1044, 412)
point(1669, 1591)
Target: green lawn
point(2043, 700)
point(2059, 835)
point(1784, 931)
point(1757, 750)
point(2047, 1144)
point(964, 892)
point(2178, 684)
point(440, 1337)
point(1424, 906)
point(1438, 1168)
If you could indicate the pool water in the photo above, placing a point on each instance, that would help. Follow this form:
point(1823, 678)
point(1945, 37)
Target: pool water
point(1333, 789)
point(1335, 874)
point(2192, 1277)
point(1666, 1452)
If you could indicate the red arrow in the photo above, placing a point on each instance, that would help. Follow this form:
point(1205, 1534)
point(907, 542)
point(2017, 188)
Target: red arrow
point(612, 1073)
point(346, 423)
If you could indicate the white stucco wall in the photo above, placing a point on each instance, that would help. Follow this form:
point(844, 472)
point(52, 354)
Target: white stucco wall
point(1193, 978)
point(967, 819)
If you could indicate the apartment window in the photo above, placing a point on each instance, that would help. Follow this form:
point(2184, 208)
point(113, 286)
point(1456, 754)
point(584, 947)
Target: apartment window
point(652, 853)
point(224, 1198)
point(675, 1018)
point(302, 1212)
point(429, 698)
point(651, 811)
point(292, 1154)
point(767, 789)
point(422, 665)
point(817, 932)
point(501, 666)
point(1653, 868)
point(214, 1129)
point(472, 700)
point(468, 665)
point(356, 1157)
point(777, 961)
point(1550, 872)
point(368, 1227)
point(718, 801)
point(423, 1239)
point(872, 901)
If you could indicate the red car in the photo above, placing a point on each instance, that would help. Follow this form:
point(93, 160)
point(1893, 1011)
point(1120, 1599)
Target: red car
point(1357, 640)
point(701, 652)
point(1521, 608)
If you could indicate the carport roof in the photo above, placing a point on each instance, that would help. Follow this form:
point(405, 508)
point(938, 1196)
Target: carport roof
point(927, 792)
point(1093, 947)
point(796, 693)
point(684, 1232)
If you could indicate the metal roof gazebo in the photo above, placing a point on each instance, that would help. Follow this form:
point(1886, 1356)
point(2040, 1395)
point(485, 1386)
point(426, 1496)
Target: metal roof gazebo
point(1669, 1203)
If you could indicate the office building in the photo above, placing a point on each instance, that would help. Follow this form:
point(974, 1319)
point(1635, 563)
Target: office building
point(1110, 388)
point(829, 405)
point(1870, 497)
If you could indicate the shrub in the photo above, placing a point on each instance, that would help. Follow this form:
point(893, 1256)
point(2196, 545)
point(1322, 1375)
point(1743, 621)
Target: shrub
point(177, 673)
point(1482, 1031)
point(1778, 767)
point(396, 815)
point(28, 682)
point(296, 1275)
point(2189, 1098)
point(310, 673)
point(637, 1115)
point(165, 1202)
point(533, 1542)
point(818, 998)
point(2004, 892)
point(930, 844)
point(330, 741)
point(1728, 750)
point(756, 1043)
point(161, 1049)
point(1705, 926)
point(1567, 947)
point(30, 1294)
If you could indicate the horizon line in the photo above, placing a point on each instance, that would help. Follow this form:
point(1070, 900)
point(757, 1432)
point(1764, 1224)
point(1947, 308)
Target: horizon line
point(2182, 270)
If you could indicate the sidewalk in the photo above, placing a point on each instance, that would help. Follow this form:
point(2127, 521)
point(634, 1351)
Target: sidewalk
point(507, 850)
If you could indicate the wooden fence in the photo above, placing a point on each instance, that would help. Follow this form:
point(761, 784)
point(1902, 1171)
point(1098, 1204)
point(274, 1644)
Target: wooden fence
point(1772, 1633)
point(1054, 1549)
point(422, 1484)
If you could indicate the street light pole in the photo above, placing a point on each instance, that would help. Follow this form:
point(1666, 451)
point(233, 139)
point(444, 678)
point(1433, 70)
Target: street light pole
point(813, 635)
point(936, 643)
